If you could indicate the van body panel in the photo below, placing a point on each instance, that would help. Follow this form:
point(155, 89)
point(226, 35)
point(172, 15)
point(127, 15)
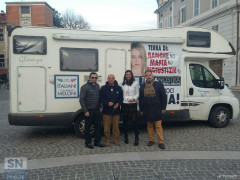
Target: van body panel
point(234, 104)
point(31, 85)
point(54, 71)
point(116, 62)
point(40, 119)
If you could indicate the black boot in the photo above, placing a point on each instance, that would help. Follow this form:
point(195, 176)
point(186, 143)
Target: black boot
point(126, 139)
point(136, 141)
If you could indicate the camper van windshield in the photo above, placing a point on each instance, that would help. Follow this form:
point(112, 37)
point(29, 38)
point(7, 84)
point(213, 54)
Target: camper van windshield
point(29, 45)
point(78, 59)
point(201, 77)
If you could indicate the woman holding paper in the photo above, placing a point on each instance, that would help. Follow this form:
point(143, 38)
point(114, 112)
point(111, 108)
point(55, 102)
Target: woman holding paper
point(130, 89)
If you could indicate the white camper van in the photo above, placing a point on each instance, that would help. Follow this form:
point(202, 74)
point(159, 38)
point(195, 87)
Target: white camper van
point(48, 66)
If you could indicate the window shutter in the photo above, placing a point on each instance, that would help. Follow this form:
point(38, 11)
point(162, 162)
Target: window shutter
point(179, 17)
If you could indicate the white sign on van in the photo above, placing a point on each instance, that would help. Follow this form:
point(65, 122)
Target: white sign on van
point(66, 86)
point(163, 59)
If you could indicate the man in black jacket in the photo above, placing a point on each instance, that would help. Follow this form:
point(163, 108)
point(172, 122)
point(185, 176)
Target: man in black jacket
point(111, 97)
point(152, 104)
point(89, 100)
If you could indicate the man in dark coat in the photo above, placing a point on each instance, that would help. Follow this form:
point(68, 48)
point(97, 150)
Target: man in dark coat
point(152, 104)
point(89, 100)
point(111, 97)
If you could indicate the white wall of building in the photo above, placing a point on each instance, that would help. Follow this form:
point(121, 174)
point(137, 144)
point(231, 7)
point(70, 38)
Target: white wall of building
point(224, 15)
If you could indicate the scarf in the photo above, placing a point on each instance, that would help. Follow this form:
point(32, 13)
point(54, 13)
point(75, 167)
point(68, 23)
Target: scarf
point(149, 90)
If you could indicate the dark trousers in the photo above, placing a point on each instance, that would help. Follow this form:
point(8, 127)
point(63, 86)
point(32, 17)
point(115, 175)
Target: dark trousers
point(95, 119)
point(126, 119)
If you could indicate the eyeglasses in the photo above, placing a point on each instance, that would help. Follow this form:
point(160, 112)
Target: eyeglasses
point(93, 77)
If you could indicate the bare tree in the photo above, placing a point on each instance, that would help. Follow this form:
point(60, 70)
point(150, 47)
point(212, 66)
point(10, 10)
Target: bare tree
point(72, 20)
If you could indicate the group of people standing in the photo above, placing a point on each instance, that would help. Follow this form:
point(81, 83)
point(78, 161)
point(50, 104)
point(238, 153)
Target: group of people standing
point(122, 99)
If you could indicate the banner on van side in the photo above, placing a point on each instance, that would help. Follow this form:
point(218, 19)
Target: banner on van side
point(161, 59)
point(164, 61)
point(171, 85)
point(66, 86)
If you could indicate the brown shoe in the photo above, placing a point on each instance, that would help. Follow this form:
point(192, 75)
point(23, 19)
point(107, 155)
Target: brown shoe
point(107, 142)
point(150, 143)
point(116, 142)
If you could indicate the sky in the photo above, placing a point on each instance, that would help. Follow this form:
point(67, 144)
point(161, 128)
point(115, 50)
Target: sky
point(112, 15)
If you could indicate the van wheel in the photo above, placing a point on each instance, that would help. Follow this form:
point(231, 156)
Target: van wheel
point(219, 117)
point(79, 127)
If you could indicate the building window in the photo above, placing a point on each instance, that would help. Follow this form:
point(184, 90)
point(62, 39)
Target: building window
point(170, 21)
point(161, 24)
point(2, 64)
point(25, 11)
point(1, 35)
point(214, 3)
point(165, 22)
point(25, 16)
point(196, 7)
point(182, 15)
point(78, 59)
point(215, 28)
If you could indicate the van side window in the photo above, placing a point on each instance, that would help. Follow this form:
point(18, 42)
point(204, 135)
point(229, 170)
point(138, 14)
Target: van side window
point(201, 77)
point(29, 45)
point(198, 39)
point(78, 59)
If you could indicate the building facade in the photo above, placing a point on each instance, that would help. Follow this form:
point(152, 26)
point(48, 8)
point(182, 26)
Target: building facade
point(3, 44)
point(219, 15)
point(29, 13)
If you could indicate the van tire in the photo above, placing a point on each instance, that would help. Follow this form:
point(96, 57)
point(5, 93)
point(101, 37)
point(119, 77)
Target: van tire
point(79, 127)
point(219, 117)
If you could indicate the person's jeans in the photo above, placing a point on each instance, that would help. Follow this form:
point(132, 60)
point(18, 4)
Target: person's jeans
point(107, 121)
point(95, 119)
point(158, 128)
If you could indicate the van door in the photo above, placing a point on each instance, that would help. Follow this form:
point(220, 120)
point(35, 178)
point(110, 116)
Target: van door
point(201, 92)
point(116, 63)
point(31, 89)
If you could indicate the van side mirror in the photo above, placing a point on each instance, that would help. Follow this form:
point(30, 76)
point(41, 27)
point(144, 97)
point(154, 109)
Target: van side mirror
point(219, 83)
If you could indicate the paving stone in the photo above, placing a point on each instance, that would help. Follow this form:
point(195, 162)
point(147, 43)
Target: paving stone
point(51, 142)
point(155, 172)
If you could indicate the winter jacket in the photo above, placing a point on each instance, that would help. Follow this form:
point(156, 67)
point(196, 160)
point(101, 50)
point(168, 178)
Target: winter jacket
point(89, 96)
point(130, 92)
point(114, 95)
point(152, 106)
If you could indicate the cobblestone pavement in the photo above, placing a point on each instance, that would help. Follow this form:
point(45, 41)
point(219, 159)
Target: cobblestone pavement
point(163, 169)
point(49, 142)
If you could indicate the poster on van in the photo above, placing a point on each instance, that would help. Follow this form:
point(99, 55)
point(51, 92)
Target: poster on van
point(164, 61)
point(171, 85)
point(66, 86)
point(161, 59)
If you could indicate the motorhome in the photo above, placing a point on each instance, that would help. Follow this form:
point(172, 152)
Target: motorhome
point(47, 67)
